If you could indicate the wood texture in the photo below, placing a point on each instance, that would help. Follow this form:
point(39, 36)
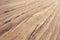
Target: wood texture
point(29, 19)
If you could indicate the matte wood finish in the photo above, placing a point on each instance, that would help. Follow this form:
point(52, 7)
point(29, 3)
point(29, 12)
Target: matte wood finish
point(29, 19)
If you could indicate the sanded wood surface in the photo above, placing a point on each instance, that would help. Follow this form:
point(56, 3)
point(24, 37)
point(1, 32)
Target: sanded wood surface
point(29, 19)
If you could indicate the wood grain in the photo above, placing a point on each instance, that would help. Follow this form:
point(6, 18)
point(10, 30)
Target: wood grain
point(29, 19)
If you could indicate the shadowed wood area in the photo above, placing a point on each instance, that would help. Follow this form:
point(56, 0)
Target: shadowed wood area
point(29, 19)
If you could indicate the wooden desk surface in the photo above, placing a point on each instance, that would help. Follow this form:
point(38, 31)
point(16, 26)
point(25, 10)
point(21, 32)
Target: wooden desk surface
point(29, 19)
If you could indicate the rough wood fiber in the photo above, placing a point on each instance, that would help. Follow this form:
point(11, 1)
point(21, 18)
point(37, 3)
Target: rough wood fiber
point(29, 19)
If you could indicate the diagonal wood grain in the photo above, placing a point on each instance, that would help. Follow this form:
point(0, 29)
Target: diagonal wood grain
point(29, 20)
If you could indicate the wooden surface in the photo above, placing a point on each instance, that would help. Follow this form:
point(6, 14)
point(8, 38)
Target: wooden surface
point(29, 19)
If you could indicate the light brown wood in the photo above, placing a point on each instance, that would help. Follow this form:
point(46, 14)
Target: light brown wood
point(29, 19)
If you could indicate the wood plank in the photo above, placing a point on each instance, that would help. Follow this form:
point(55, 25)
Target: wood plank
point(29, 20)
